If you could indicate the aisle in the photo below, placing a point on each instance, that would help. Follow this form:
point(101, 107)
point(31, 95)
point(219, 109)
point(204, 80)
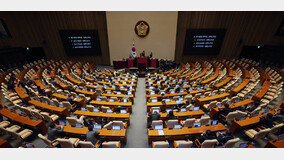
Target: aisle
point(137, 131)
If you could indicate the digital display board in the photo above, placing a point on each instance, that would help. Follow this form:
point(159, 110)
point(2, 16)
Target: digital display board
point(203, 41)
point(81, 42)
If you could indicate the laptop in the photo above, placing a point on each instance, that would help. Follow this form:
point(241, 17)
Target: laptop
point(123, 111)
point(83, 109)
point(158, 127)
point(152, 93)
point(202, 96)
point(109, 111)
point(129, 92)
point(108, 92)
point(96, 110)
point(183, 110)
point(99, 99)
point(244, 145)
point(195, 108)
point(124, 100)
point(62, 123)
point(116, 128)
point(154, 100)
point(168, 110)
point(79, 125)
point(97, 126)
point(214, 122)
point(155, 110)
point(177, 126)
point(196, 125)
point(111, 100)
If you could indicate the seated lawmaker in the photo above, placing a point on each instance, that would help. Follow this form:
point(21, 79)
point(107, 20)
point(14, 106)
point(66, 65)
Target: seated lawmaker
point(153, 117)
point(91, 135)
point(224, 137)
point(170, 116)
point(208, 135)
point(54, 132)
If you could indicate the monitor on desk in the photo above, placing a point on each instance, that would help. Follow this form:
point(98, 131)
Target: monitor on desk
point(61, 106)
point(202, 96)
point(79, 125)
point(181, 90)
point(154, 100)
point(183, 110)
point(168, 110)
point(118, 93)
point(174, 81)
point(84, 89)
point(195, 108)
point(198, 88)
point(109, 111)
point(83, 109)
point(99, 99)
point(97, 126)
point(214, 122)
point(205, 87)
point(244, 145)
point(196, 125)
point(125, 79)
point(51, 103)
point(172, 92)
point(124, 100)
point(150, 82)
point(123, 111)
point(181, 99)
point(117, 128)
point(152, 93)
point(131, 83)
point(158, 127)
point(219, 105)
point(105, 86)
point(213, 94)
point(229, 103)
point(130, 87)
point(190, 89)
point(118, 79)
point(168, 100)
point(96, 110)
point(108, 92)
point(121, 87)
point(111, 100)
point(62, 123)
point(155, 110)
point(178, 102)
point(238, 100)
point(129, 93)
point(177, 126)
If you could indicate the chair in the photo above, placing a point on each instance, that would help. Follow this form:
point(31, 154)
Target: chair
point(189, 107)
point(4, 124)
point(188, 98)
point(231, 116)
point(115, 99)
point(204, 120)
point(23, 134)
point(36, 114)
point(47, 141)
point(231, 143)
point(253, 134)
point(72, 121)
point(108, 125)
point(155, 108)
point(210, 105)
point(104, 109)
point(188, 122)
point(156, 122)
point(112, 144)
point(67, 105)
point(65, 143)
point(276, 128)
point(87, 144)
point(49, 118)
point(182, 144)
point(56, 102)
point(209, 143)
point(160, 144)
point(171, 123)
point(90, 108)
point(119, 123)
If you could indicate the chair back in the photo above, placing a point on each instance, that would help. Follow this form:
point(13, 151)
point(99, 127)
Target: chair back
point(231, 143)
point(171, 123)
point(204, 120)
point(65, 143)
point(161, 144)
point(86, 144)
point(184, 144)
point(189, 122)
point(45, 140)
point(209, 143)
point(72, 121)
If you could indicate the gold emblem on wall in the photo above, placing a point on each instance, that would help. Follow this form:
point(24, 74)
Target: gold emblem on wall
point(142, 28)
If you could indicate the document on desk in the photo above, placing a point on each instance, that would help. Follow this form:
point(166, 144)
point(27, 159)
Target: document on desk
point(161, 132)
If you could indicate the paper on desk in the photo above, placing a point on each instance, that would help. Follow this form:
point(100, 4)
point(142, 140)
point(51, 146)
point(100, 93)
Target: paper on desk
point(161, 132)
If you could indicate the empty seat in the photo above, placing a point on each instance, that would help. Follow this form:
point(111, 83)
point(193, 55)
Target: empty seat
point(182, 144)
point(160, 144)
point(171, 123)
point(231, 143)
point(253, 134)
point(112, 144)
point(188, 122)
point(47, 141)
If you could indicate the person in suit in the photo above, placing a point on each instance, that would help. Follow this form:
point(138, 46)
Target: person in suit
point(224, 137)
point(170, 116)
point(54, 132)
point(88, 122)
point(224, 110)
point(153, 117)
point(91, 135)
point(267, 120)
point(206, 136)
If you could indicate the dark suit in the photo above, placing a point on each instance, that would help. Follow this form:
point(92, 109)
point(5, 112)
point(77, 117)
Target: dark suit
point(54, 133)
point(92, 136)
point(153, 117)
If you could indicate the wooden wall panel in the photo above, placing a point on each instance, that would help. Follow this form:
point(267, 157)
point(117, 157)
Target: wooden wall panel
point(243, 28)
point(41, 29)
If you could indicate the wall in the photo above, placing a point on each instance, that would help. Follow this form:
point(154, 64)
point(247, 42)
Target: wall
point(41, 29)
point(160, 40)
point(243, 28)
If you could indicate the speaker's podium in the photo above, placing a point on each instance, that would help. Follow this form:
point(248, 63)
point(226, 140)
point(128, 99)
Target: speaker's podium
point(142, 64)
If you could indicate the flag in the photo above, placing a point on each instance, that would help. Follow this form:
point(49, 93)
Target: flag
point(133, 50)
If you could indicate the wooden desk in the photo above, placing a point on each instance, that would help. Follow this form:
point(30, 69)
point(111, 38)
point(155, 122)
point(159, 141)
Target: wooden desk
point(236, 125)
point(88, 93)
point(275, 144)
point(173, 74)
point(198, 76)
point(239, 87)
point(39, 124)
point(64, 86)
point(74, 80)
point(174, 134)
point(262, 91)
point(105, 134)
point(5, 144)
point(169, 71)
point(201, 101)
point(222, 83)
point(113, 104)
point(63, 97)
point(117, 95)
point(167, 95)
point(22, 94)
point(183, 115)
point(115, 116)
point(189, 73)
point(109, 88)
point(50, 108)
point(215, 75)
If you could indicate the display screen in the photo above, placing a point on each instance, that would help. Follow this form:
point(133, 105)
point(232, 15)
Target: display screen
point(203, 41)
point(81, 42)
